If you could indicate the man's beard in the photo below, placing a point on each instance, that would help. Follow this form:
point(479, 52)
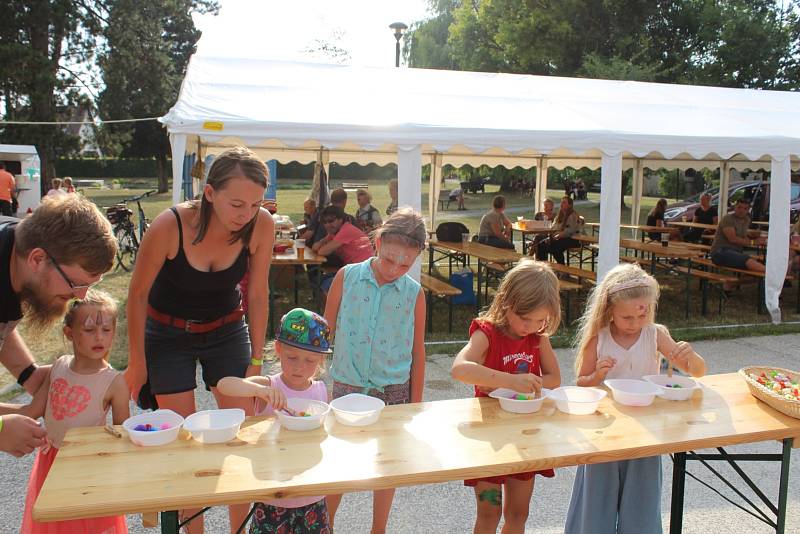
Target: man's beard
point(40, 312)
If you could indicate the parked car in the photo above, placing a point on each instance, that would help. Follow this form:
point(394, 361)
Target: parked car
point(756, 191)
point(475, 185)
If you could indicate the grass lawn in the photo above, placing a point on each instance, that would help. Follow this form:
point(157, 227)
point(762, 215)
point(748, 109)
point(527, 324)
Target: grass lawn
point(740, 308)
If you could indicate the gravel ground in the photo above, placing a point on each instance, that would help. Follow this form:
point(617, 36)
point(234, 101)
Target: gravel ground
point(449, 508)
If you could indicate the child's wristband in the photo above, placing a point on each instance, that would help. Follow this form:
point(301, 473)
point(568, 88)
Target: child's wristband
point(26, 374)
point(255, 361)
point(1, 423)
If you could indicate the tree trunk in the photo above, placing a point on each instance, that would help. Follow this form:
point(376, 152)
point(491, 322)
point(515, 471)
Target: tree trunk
point(162, 165)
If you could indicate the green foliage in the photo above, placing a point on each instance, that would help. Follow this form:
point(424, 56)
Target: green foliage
point(734, 43)
point(107, 167)
point(148, 45)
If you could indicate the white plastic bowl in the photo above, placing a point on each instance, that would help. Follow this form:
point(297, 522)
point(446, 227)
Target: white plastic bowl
point(356, 409)
point(317, 409)
point(215, 426)
point(156, 418)
point(631, 392)
point(577, 400)
point(684, 392)
point(510, 403)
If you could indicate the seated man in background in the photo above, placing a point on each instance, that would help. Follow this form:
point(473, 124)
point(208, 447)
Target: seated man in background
point(733, 234)
point(495, 228)
point(344, 239)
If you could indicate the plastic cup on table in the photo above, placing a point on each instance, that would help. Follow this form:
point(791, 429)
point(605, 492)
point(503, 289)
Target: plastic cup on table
point(464, 238)
point(300, 247)
point(684, 218)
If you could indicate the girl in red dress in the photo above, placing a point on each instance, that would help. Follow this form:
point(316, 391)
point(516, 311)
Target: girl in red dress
point(509, 347)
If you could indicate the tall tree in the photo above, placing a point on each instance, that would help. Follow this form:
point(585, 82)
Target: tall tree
point(148, 46)
point(43, 44)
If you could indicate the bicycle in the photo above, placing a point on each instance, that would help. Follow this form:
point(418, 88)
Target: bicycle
point(125, 232)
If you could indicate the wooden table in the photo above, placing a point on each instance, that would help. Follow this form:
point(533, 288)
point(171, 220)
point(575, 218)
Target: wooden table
point(688, 224)
point(96, 474)
point(483, 253)
point(531, 228)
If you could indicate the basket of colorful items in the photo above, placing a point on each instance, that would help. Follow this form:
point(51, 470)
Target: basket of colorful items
point(777, 387)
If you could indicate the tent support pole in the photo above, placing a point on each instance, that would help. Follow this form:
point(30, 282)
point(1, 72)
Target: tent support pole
point(178, 145)
point(434, 188)
point(610, 209)
point(409, 186)
point(724, 180)
point(778, 249)
point(636, 201)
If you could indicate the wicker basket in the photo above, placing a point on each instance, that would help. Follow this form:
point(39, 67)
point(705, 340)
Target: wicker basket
point(780, 403)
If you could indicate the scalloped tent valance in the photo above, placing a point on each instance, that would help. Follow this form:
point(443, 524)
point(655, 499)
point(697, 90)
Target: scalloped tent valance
point(292, 111)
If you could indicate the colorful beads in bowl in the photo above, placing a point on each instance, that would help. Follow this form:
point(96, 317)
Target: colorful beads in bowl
point(152, 428)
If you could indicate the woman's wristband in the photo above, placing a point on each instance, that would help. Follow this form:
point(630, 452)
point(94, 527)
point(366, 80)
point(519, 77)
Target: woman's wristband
point(26, 374)
point(1, 423)
point(256, 361)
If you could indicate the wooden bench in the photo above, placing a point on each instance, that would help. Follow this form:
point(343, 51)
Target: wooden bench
point(353, 186)
point(759, 276)
point(581, 274)
point(444, 199)
point(438, 288)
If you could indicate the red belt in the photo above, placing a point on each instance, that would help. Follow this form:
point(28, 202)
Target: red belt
point(193, 327)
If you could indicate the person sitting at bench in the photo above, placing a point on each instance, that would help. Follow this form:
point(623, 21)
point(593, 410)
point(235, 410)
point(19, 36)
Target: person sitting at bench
point(495, 229)
point(656, 218)
point(367, 217)
point(457, 194)
point(704, 214)
point(732, 235)
point(349, 243)
point(547, 214)
point(567, 224)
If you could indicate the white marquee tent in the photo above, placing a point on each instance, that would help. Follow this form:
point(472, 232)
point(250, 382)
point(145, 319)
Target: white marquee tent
point(306, 112)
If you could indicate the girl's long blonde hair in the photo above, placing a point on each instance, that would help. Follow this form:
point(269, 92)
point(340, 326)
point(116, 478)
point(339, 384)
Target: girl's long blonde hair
point(623, 282)
point(527, 287)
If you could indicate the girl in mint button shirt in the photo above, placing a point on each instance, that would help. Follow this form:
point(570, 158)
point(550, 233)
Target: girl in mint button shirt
point(377, 314)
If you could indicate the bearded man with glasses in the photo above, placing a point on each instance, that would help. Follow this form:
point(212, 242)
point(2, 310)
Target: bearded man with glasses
point(47, 259)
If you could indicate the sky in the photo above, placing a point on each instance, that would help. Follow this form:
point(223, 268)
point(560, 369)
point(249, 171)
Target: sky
point(292, 29)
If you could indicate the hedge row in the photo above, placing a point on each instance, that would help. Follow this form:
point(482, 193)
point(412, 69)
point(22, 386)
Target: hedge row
point(107, 167)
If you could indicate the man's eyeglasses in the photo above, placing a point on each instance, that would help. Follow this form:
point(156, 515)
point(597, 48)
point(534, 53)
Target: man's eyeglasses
point(72, 286)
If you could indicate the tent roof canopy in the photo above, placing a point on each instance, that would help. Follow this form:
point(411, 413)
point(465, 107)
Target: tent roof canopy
point(297, 108)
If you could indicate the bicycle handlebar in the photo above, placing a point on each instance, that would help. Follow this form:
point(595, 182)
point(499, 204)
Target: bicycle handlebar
point(140, 197)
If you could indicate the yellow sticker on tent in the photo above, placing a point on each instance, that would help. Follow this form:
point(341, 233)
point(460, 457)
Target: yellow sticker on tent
point(213, 125)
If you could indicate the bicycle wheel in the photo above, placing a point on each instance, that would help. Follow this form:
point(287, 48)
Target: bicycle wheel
point(127, 247)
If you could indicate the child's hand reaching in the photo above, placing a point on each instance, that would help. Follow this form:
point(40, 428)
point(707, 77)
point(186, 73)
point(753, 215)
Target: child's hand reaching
point(526, 383)
point(681, 354)
point(604, 365)
point(272, 397)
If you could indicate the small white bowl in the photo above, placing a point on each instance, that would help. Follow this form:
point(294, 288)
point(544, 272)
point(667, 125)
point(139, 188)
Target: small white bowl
point(510, 403)
point(356, 409)
point(215, 426)
point(631, 392)
point(684, 392)
point(577, 400)
point(317, 409)
point(156, 437)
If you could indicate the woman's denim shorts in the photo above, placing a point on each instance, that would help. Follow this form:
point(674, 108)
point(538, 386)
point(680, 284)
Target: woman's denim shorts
point(172, 355)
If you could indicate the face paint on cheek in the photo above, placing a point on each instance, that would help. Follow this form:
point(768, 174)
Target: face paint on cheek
point(643, 308)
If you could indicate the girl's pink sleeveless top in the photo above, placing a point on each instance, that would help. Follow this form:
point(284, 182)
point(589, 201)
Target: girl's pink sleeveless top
point(75, 399)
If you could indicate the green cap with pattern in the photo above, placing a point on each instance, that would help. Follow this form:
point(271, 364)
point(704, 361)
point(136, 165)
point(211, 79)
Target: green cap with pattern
point(305, 330)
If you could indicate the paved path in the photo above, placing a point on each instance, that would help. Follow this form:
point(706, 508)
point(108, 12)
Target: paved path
point(449, 508)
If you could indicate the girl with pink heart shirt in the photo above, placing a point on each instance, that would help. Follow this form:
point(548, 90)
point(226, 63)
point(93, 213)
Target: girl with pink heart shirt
point(79, 391)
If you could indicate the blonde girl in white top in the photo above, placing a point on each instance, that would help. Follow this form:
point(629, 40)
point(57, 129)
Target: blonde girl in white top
point(618, 338)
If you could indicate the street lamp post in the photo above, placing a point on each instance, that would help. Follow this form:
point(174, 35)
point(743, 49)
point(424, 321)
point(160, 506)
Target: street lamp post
point(398, 28)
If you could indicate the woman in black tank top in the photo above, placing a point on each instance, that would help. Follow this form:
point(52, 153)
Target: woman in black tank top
point(184, 303)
